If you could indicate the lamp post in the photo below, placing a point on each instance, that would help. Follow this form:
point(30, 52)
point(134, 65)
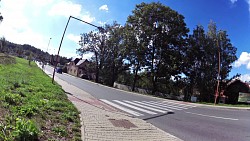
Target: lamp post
point(100, 28)
point(48, 44)
point(48, 49)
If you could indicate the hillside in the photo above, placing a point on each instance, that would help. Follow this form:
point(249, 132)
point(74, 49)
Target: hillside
point(31, 107)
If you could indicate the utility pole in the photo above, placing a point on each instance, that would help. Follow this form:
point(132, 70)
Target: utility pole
point(218, 77)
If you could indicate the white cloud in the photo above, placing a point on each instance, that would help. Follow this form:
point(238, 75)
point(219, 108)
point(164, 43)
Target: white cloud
point(248, 2)
point(87, 56)
point(244, 59)
point(16, 25)
point(104, 7)
point(245, 77)
point(41, 2)
point(88, 18)
point(233, 1)
point(102, 23)
point(65, 8)
point(74, 38)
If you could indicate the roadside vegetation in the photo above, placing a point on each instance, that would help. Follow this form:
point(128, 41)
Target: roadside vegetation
point(31, 107)
point(228, 105)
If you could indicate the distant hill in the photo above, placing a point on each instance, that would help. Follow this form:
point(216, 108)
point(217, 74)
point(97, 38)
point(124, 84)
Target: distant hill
point(27, 51)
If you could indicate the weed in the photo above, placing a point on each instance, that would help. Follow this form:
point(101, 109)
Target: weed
point(70, 116)
point(13, 99)
point(25, 130)
point(60, 130)
point(28, 110)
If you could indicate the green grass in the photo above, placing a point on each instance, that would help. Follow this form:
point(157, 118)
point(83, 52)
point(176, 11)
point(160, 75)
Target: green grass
point(31, 107)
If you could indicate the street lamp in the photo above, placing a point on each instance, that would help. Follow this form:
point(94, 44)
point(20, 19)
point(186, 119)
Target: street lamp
point(48, 44)
point(47, 50)
point(100, 29)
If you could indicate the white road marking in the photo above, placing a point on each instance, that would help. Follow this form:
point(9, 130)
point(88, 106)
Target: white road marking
point(211, 116)
point(177, 105)
point(143, 106)
point(122, 108)
point(185, 105)
point(155, 106)
point(164, 105)
point(136, 108)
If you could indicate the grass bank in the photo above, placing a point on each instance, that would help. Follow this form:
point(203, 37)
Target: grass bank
point(31, 107)
point(226, 105)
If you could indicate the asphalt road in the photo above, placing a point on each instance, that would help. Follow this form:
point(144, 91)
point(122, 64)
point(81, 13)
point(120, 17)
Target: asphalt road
point(188, 122)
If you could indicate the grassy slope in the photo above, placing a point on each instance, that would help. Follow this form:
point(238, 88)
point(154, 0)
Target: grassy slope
point(33, 108)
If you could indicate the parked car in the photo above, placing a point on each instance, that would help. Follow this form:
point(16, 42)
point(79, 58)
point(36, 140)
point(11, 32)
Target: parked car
point(59, 70)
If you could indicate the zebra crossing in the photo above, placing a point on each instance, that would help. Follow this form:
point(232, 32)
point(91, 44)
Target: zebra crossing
point(141, 108)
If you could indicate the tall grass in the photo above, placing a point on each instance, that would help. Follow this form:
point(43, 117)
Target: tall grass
point(33, 106)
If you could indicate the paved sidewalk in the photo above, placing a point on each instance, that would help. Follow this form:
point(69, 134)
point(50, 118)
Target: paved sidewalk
point(101, 122)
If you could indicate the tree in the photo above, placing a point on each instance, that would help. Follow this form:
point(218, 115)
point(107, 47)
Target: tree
point(114, 64)
point(201, 63)
point(3, 44)
point(95, 42)
point(135, 50)
point(162, 31)
point(107, 50)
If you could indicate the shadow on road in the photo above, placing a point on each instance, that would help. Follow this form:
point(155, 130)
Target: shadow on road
point(158, 116)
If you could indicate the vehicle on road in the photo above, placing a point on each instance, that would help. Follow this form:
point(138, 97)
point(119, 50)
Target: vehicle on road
point(59, 70)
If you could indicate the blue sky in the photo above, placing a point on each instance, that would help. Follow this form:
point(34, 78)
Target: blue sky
point(34, 22)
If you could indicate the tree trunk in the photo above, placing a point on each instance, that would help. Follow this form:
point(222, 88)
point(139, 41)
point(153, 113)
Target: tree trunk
point(113, 74)
point(96, 69)
point(135, 78)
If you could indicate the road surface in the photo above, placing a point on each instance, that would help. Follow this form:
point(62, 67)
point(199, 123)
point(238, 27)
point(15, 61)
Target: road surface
point(187, 121)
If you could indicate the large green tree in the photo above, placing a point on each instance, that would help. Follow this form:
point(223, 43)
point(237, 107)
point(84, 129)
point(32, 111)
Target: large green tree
point(162, 31)
point(116, 53)
point(208, 60)
point(108, 52)
point(136, 49)
point(94, 42)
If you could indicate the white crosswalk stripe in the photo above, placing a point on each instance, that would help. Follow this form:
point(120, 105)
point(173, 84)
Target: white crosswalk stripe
point(122, 108)
point(149, 108)
point(134, 107)
point(141, 108)
point(163, 105)
point(145, 104)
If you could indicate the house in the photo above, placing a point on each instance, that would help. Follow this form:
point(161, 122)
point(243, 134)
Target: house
point(80, 68)
point(233, 89)
point(71, 67)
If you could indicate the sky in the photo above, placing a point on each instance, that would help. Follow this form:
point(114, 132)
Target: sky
point(34, 22)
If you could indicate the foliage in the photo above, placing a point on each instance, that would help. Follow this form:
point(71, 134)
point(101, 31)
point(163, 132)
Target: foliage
point(108, 53)
point(202, 57)
point(33, 105)
point(162, 33)
point(25, 130)
point(153, 51)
